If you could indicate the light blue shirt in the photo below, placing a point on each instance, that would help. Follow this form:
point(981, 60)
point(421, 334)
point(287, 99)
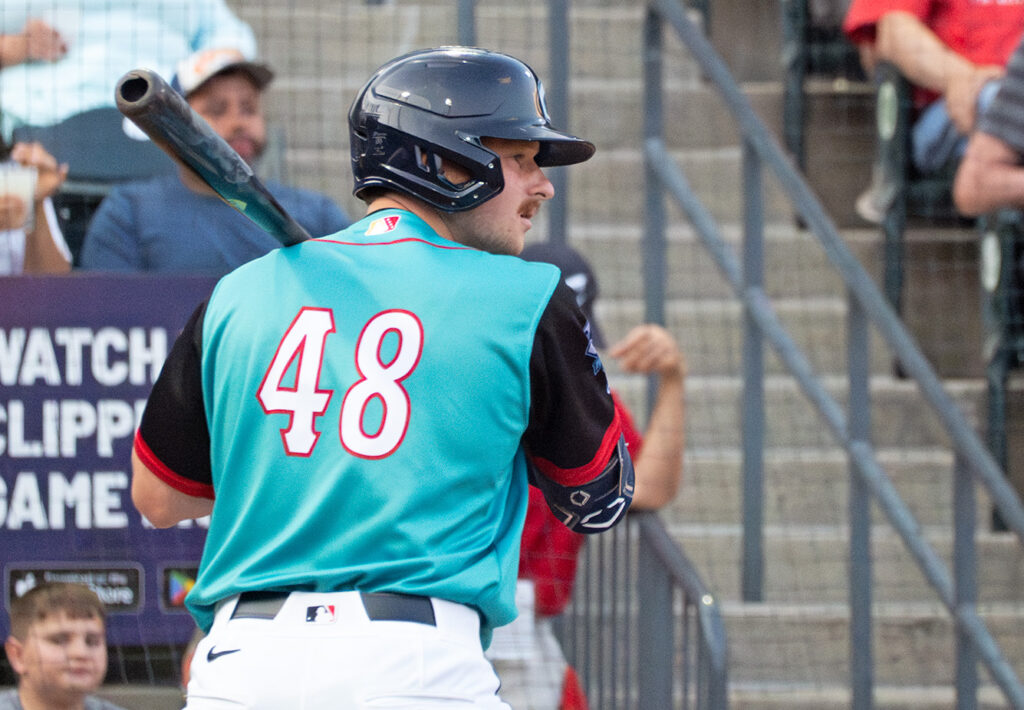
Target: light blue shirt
point(106, 39)
point(9, 701)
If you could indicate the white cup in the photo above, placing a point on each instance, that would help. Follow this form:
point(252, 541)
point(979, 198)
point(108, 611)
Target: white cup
point(20, 180)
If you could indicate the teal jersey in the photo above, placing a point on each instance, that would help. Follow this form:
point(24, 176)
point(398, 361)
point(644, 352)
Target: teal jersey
point(377, 469)
point(367, 409)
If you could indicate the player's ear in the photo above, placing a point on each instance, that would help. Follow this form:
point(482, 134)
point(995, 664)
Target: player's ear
point(15, 649)
point(454, 173)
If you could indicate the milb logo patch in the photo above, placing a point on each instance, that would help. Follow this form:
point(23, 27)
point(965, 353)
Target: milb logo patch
point(320, 614)
point(382, 225)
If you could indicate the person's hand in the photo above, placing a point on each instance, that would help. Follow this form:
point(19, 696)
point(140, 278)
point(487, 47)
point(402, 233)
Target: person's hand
point(43, 43)
point(13, 212)
point(51, 175)
point(650, 348)
point(962, 91)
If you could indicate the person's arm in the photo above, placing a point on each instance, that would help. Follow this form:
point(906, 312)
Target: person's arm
point(37, 42)
point(171, 476)
point(162, 504)
point(651, 349)
point(45, 249)
point(927, 62)
point(989, 176)
point(43, 252)
point(577, 454)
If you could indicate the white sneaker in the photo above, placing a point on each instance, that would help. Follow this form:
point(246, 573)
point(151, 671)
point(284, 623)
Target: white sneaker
point(873, 204)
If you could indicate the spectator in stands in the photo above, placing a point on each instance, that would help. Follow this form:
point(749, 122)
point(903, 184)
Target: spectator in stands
point(954, 52)
point(177, 222)
point(30, 237)
point(991, 174)
point(64, 57)
point(527, 657)
point(186, 656)
point(58, 648)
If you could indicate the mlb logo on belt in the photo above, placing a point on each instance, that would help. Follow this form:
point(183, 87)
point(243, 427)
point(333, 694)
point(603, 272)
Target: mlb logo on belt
point(320, 614)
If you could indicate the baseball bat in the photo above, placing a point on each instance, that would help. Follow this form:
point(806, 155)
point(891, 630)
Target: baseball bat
point(163, 114)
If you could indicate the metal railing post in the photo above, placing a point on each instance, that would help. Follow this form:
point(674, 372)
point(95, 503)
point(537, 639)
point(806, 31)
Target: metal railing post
point(965, 580)
point(466, 20)
point(753, 382)
point(860, 571)
point(655, 631)
point(558, 109)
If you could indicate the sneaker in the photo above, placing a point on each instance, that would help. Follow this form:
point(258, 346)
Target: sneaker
point(873, 204)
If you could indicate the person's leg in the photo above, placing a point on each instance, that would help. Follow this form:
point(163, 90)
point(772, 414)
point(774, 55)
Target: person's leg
point(935, 141)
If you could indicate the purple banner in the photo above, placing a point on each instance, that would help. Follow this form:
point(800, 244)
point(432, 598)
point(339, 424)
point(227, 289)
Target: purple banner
point(78, 356)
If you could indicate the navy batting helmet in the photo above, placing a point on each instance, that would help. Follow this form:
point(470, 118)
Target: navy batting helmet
point(439, 103)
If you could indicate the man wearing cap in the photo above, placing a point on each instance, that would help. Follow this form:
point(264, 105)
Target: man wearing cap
point(176, 223)
point(526, 654)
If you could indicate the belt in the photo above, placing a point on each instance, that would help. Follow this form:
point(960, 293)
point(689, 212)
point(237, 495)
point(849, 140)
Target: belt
point(379, 606)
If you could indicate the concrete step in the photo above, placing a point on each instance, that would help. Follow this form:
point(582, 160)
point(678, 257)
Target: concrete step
point(809, 643)
point(808, 564)
point(795, 263)
point(711, 332)
point(900, 417)
point(359, 37)
point(797, 696)
point(806, 487)
point(345, 40)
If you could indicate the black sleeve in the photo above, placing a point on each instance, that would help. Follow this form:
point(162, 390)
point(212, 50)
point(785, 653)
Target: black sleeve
point(573, 429)
point(174, 427)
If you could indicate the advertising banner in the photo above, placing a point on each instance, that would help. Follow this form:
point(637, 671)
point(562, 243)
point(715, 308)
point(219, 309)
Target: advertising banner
point(78, 356)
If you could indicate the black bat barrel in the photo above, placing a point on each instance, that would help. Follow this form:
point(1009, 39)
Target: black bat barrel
point(163, 114)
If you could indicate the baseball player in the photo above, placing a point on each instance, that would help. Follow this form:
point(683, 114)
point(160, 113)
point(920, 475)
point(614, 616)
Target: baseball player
point(361, 414)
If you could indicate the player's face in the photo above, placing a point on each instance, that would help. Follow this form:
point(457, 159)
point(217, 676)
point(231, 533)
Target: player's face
point(61, 659)
point(499, 225)
point(233, 107)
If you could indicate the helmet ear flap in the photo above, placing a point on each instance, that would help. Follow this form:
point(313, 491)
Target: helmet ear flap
point(390, 159)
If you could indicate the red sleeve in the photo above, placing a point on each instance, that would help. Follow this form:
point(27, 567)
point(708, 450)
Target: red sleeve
point(863, 15)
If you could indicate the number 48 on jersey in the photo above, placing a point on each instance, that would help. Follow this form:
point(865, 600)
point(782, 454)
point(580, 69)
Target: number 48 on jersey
point(292, 383)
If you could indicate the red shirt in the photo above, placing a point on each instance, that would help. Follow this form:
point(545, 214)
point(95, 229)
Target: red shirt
point(981, 31)
point(549, 550)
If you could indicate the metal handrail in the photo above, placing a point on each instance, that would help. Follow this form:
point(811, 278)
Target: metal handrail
point(866, 305)
point(638, 605)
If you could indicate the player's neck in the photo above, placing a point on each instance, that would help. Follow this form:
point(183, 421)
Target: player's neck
point(394, 201)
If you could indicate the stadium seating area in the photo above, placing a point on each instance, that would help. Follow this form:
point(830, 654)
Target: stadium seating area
point(790, 650)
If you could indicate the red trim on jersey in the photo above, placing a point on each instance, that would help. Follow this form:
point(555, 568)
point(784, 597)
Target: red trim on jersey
point(588, 471)
point(172, 479)
point(394, 241)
